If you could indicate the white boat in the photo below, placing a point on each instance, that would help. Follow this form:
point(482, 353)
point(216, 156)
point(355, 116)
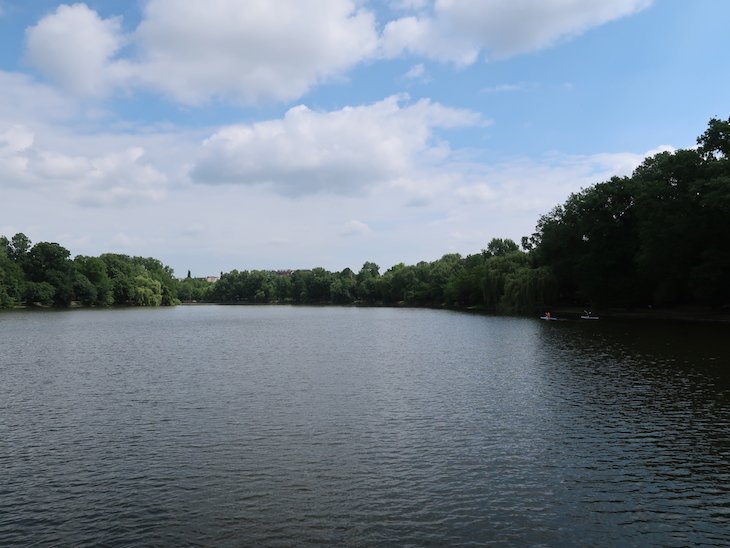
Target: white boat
point(588, 315)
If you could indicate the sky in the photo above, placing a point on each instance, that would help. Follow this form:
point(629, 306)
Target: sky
point(250, 134)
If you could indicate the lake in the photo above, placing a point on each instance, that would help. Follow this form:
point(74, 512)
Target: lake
point(279, 426)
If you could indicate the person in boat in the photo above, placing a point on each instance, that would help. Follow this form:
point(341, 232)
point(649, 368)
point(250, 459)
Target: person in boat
point(547, 315)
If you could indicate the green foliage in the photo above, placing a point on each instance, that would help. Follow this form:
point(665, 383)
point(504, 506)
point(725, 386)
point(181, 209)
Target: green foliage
point(342, 288)
point(84, 290)
point(527, 289)
point(50, 263)
point(19, 246)
point(132, 278)
point(45, 274)
point(6, 301)
point(475, 281)
point(714, 143)
point(11, 277)
point(366, 283)
point(95, 271)
point(39, 293)
point(256, 286)
point(498, 247)
point(147, 291)
point(193, 290)
point(658, 237)
point(591, 242)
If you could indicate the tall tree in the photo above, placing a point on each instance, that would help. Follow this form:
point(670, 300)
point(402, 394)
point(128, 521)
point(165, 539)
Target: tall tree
point(50, 263)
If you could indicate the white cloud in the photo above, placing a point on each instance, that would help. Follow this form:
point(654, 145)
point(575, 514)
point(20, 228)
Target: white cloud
point(508, 88)
point(22, 99)
point(15, 139)
point(416, 72)
point(246, 51)
point(54, 165)
point(250, 50)
point(355, 228)
point(130, 242)
point(537, 185)
point(479, 192)
point(457, 31)
point(109, 177)
point(462, 211)
point(424, 36)
point(120, 178)
point(75, 47)
point(338, 152)
point(253, 51)
point(423, 188)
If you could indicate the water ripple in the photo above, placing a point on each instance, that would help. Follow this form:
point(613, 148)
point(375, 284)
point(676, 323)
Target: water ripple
point(280, 426)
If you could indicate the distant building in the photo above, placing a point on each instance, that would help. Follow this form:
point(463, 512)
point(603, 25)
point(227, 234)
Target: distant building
point(212, 279)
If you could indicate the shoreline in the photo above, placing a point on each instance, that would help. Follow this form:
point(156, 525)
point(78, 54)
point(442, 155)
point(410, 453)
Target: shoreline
point(686, 314)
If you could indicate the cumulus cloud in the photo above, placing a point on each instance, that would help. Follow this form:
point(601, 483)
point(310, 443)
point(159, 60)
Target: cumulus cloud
point(244, 51)
point(537, 185)
point(119, 178)
point(22, 99)
point(107, 178)
point(75, 47)
point(55, 165)
point(457, 31)
point(355, 228)
point(252, 51)
point(15, 139)
point(479, 192)
point(338, 152)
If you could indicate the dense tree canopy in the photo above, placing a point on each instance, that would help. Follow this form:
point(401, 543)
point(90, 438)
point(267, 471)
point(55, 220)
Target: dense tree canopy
point(44, 274)
point(659, 237)
point(477, 281)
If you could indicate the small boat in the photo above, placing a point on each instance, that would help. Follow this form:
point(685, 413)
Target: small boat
point(588, 315)
point(550, 317)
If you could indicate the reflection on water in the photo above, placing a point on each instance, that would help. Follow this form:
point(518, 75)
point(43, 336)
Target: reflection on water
point(647, 427)
point(278, 426)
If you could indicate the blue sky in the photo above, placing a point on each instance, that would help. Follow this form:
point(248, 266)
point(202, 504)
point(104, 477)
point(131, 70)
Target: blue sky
point(292, 134)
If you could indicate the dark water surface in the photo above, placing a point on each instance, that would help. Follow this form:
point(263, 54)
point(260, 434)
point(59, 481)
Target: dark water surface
point(276, 426)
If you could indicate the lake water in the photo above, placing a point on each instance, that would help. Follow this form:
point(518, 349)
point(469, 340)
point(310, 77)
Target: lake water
point(278, 426)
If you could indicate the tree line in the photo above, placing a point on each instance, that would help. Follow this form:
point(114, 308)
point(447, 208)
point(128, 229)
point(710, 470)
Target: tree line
point(500, 278)
point(659, 237)
point(45, 274)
